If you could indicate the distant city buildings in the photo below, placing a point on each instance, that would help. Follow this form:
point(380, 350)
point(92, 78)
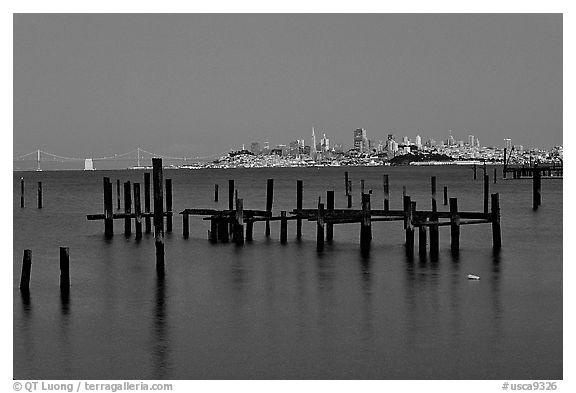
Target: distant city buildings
point(361, 140)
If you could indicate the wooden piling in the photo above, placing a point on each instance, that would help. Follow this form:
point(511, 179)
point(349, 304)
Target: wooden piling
point(185, 225)
point(223, 230)
point(361, 186)
point(409, 229)
point(320, 227)
point(118, 192)
point(230, 194)
point(365, 224)
point(346, 183)
point(21, 192)
point(215, 192)
point(213, 230)
point(433, 192)
point(299, 195)
point(536, 187)
point(249, 230)
point(137, 211)
point(127, 209)
point(26, 270)
point(39, 195)
point(147, 220)
point(505, 165)
point(494, 175)
point(269, 200)
point(434, 233)
point(158, 194)
point(329, 206)
point(445, 195)
point(65, 267)
point(349, 194)
point(108, 209)
point(486, 192)
point(283, 227)
point(169, 205)
point(454, 225)
point(474, 171)
point(495, 217)
point(386, 193)
point(239, 224)
point(403, 192)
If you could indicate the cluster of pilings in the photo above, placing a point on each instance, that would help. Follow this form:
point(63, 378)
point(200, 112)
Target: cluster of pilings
point(22, 193)
point(138, 215)
point(224, 223)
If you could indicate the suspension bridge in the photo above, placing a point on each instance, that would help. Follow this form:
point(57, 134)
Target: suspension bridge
point(137, 158)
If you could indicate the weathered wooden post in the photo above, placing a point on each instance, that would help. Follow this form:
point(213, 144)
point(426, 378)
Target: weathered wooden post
point(230, 203)
point(346, 182)
point(349, 194)
point(474, 171)
point(329, 207)
point(26, 269)
point(39, 195)
point(283, 227)
point(494, 175)
point(223, 230)
point(127, 209)
point(215, 192)
point(185, 225)
point(386, 193)
point(21, 192)
point(403, 192)
point(65, 267)
point(445, 195)
point(486, 192)
point(320, 227)
point(137, 211)
point(361, 186)
point(409, 228)
point(299, 193)
point(365, 224)
point(213, 230)
point(536, 187)
point(454, 225)
point(158, 191)
point(495, 217)
point(239, 224)
point(147, 220)
point(269, 199)
point(169, 205)
point(249, 230)
point(434, 233)
point(118, 192)
point(108, 209)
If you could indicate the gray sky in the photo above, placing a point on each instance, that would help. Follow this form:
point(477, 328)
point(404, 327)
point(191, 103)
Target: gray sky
point(192, 84)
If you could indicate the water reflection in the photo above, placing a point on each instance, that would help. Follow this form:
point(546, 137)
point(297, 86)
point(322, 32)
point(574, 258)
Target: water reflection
point(367, 327)
point(26, 301)
point(160, 344)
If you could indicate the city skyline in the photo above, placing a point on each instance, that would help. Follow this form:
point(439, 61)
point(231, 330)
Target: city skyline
point(180, 84)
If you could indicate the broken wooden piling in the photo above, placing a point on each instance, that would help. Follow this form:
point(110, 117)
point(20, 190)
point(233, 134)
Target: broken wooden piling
point(329, 207)
point(365, 224)
point(65, 267)
point(127, 209)
point(349, 194)
point(21, 192)
point(269, 200)
point(408, 227)
point(283, 227)
point(26, 271)
point(320, 227)
point(158, 194)
point(169, 205)
point(137, 211)
point(299, 196)
point(454, 225)
point(147, 221)
point(215, 192)
point(536, 187)
point(434, 233)
point(118, 192)
point(486, 192)
point(108, 213)
point(495, 219)
point(239, 223)
point(386, 193)
point(445, 195)
point(39, 195)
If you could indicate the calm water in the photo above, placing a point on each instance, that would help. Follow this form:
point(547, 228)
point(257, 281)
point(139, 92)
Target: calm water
point(272, 311)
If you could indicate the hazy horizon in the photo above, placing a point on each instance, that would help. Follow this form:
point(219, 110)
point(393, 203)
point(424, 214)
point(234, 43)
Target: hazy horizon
point(201, 84)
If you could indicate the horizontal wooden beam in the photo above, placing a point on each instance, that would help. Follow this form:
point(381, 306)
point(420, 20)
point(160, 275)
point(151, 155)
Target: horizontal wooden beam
point(93, 217)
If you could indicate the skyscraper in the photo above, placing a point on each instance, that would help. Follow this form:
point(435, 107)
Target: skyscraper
point(471, 140)
point(325, 143)
point(418, 141)
point(313, 145)
point(360, 140)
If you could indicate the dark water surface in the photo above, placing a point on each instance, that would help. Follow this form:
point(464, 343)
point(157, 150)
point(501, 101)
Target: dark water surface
point(272, 311)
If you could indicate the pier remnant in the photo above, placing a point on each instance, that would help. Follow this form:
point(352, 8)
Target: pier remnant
point(157, 180)
point(445, 195)
point(65, 267)
point(495, 218)
point(137, 211)
point(486, 192)
point(320, 227)
point(299, 196)
point(215, 192)
point(365, 224)
point(21, 192)
point(118, 192)
point(386, 193)
point(454, 225)
point(127, 209)
point(536, 187)
point(329, 207)
point(26, 269)
point(283, 227)
point(108, 213)
point(269, 200)
point(169, 205)
point(39, 195)
point(147, 221)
